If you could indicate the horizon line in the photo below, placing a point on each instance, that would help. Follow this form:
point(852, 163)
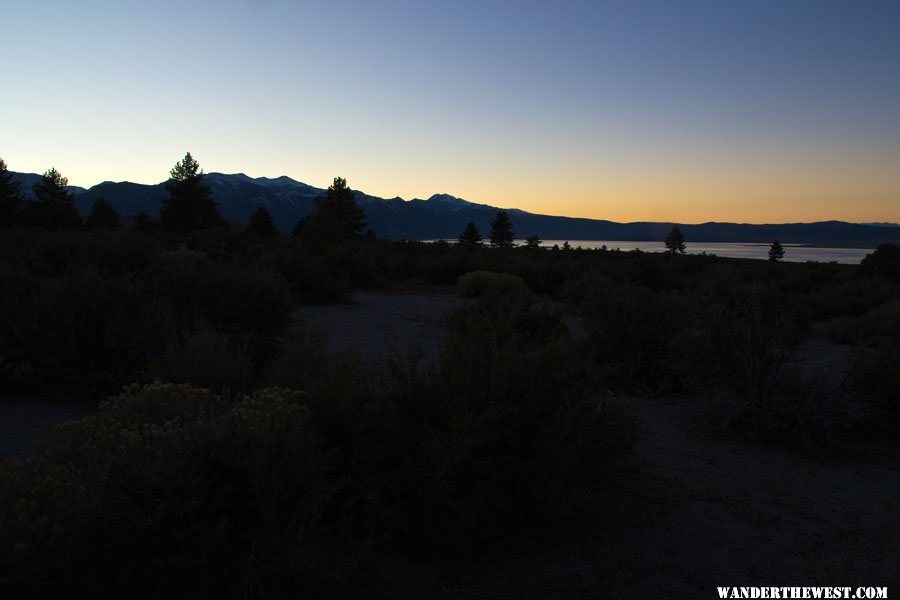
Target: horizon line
point(872, 223)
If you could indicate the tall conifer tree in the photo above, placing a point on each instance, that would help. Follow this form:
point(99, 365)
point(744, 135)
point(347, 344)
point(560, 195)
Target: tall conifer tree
point(501, 230)
point(10, 198)
point(190, 205)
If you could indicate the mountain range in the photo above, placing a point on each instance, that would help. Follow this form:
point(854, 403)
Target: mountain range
point(443, 216)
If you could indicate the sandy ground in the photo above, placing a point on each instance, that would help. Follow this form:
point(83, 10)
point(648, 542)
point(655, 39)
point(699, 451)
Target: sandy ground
point(700, 510)
point(377, 325)
point(705, 510)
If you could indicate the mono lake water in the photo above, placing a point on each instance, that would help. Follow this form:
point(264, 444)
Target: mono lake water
point(792, 252)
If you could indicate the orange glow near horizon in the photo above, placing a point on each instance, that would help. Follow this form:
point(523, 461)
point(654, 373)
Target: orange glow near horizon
point(758, 185)
point(656, 111)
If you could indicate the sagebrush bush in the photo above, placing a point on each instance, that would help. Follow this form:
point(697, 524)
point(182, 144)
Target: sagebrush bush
point(174, 490)
point(207, 358)
point(877, 381)
point(313, 276)
point(849, 298)
point(90, 312)
point(511, 432)
point(169, 491)
point(479, 284)
point(233, 296)
point(87, 330)
point(444, 266)
point(878, 326)
point(884, 262)
point(305, 363)
point(637, 334)
point(803, 412)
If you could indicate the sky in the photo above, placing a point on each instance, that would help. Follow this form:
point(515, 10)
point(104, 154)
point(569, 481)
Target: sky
point(755, 111)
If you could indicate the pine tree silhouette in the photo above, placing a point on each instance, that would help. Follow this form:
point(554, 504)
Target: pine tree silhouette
point(103, 216)
point(776, 251)
point(501, 230)
point(675, 241)
point(261, 224)
point(55, 205)
point(190, 205)
point(10, 198)
point(470, 236)
point(341, 201)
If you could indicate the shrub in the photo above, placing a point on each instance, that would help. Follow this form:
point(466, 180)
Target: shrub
point(207, 359)
point(304, 363)
point(180, 491)
point(485, 284)
point(884, 262)
point(804, 412)
point(443, 266)
point(89, 312)
point(169, 491)
point(875, 327)
point(877, 382)
point(242, 298)
point(312, 277)
point(509, 428)
point(87, 330)
point(365, 272)
point(848, 298)
point(753, 336)
point(637, 334)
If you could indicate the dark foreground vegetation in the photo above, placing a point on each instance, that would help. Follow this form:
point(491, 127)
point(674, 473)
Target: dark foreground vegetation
point(235, 457)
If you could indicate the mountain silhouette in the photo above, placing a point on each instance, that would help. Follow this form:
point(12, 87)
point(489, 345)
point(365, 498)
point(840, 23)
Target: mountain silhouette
point(443, 216)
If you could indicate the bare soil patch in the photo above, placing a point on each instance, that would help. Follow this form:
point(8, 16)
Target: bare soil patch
point(378, 325)
point(698, 510)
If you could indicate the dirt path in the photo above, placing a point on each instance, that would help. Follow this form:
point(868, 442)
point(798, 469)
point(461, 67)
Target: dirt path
point(378, 325)
point(704, 510)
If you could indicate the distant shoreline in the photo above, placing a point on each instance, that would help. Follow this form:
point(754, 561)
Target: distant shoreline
point(843, 254)
point(574, 242)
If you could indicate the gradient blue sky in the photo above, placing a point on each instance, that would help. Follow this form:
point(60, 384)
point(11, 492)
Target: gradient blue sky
point(757, 111)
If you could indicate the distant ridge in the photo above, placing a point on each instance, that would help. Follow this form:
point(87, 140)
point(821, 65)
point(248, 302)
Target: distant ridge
point(443, 216)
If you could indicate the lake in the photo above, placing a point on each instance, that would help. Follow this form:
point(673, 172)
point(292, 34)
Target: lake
point(792, 252)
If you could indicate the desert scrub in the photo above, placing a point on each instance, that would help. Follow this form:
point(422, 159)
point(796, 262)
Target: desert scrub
point(878, 326)
point(232, 296)
point(86, 330)
point(804, 413)
point(481, 284)
point(89, 313)
point(877, 382)
point(168, 490)
point(639, 336)
point(754, 335)
point(207, 358)
point(178, 491)
point(514, 437)
point(884, 262)
point(314, 275)
point(303, 363)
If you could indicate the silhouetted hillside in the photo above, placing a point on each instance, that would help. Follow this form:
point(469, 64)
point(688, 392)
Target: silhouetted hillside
point(445, 216)
point(27, 181)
